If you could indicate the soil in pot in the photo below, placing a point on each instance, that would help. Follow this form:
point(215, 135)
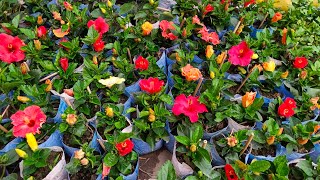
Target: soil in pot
point(83, 174)
point(216, 127)
point(270, 95)
point(52, 160)
point(265, 151)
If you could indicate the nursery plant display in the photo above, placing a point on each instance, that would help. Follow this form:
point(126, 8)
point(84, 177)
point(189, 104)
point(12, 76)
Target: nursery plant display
point(230, 88)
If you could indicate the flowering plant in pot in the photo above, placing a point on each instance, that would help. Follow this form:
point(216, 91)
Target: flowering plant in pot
point(84, 163)
point(120, 157)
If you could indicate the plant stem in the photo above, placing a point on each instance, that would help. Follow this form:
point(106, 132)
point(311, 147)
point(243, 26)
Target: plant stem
point(5, 130)
point(182, 22)
point(3, 171)
point(198, 86)
point(244, 81)
point(49, 76)
point(163, 9)
point(101, 144)
point(264, 19)
point(247, 144)
point(129, 54)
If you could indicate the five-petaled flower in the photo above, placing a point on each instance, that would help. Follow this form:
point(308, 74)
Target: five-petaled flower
point(167, 28)
point(141, 63)
point(29, 120)
point(240, 54)
point(151, 85)
point(124, 147)
point(191, 73)
point(300, 62)
point(230, 172)
point(211, 37)
point(99, 25)
point(189, 106)
point(111, 81)
point(10, 48)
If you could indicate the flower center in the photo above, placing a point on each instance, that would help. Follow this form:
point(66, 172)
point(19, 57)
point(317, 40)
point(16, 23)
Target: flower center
point(124, 145)
point(241, 51)
point(286, 111)
point(10, 47)
point(29, 122)
point(300, 61)
point(190, 101)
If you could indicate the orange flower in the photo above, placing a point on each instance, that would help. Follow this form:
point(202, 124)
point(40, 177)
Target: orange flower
point(39, 20)
point(303, 75)
point(232, 141)
point(221, 57)
point(314, 101)
point(302, 141)
point(277, 16)
point(209, 51)
point(270, 140)
point(56, 16)
point(49, 87)
point(71, 119)
point(191, 73)
point(285, 74)
point(146, 28)
point(248, 99)
point(58, 33)
point(284, 36)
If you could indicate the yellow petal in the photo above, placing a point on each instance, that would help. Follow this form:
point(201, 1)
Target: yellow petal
point(21, 153)
point(32, 142)
point(111, 81)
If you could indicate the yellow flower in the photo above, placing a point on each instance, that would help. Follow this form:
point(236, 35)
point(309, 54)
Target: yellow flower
point(282, 4)
point(32, 142)
point(151, 2)
point(221, 57)
point(31, 178)
point(23, 99)
point(103, 10)
point(178, 58)
point(71, 119)
point(269, 66)
point(109, 112)
point(232, 141)
point(111, 81)
point(209, 51)
point(255, 56)
point(95, 60)
point(152, 116)
point(285, 74)
point(239, 30)
point(21, 153)
point(37, 44)
point(212, 74)
point(248, 99)
point(146, 28)
point(79, 154)
point(109, 3)
point(39, 20)
point(49, 87)
point(193, 148)
point(315, 3)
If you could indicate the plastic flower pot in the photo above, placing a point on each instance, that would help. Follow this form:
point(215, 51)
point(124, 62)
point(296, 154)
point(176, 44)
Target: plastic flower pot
point(142, 147)
point(58, 171)
point(62, 107)
point(53, 140)
point(254, 31)
point(217, 160)
point(182, 169)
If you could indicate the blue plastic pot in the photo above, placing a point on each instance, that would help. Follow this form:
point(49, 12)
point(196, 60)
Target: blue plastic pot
point(53, 140)
point(254, 31)
point(142, 147)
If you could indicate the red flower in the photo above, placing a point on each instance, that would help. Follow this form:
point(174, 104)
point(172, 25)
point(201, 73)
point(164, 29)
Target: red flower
point(29, 120)
point(64, 63)
point(285, 110)
point(240, 54)
point(125, 147)
point(67, 5)
point(208, 9)
point(248, 3)
point(189, 106)
point(300, 62)
point(99, 25)
point(98, 45)
point(290, 102)
point(230, 173)
point(166, 28)
point(10, 48)
point(141, 63)
point(209, 37)
point(41, 32)
point(151, 85)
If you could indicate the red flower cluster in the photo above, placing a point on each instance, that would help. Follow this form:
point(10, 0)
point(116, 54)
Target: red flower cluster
point(151, 85)
point(124, 147)
point(167, 28)
point(208, 9)
point(300, 62)
point(99, 25)
point(189, 106)
point(64, 63)
point(29, 120)
point(212, 37)
point(41, 32)
point(230, 173)
point(286, 108)
point(240, 54)
point(141, 63)
point(98, 45)
point(10, 48)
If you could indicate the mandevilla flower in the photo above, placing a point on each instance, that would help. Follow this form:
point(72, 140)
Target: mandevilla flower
point(124, 147)
point(167, 28)
point(277, 17)
point(248, 99)
point(300, 62)
point(111, 81)
point(189, 106)
point(191, 73)
point(141, 63)
point(29, 120)
point(41, 32)
point(10, 48)
point(98, 45)
point(230, 173)
point(240, 54)
point(64, 63)
point(151, 85)
point(146, 28)
point(99, 25)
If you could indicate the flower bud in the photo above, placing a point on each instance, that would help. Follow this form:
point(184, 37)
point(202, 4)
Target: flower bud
point(21, 153)
point(151, 2)
point(255, 56)
point(24, 68)
point(109, 112)
point(303, 75)
point(114, 52)
point(84, 161)
point(151, 118)
point(242, 70)
point(71, 119)
point(39, 20)
point(32, 142)
point(212, 75)
point(280, 131)
point(109, 3)
point(79, 154)
point(68, 6)
point(69, 92)
point(49, 87)
point(220, 57)
point(37, 44)
point(184, 33)
point(178, 58)
point(23, 99)
point(302, 141)
point(209, 51)
point(193, 148)
point(270, 140)
point(95, 60)
point(285, 74)
point(103, 10)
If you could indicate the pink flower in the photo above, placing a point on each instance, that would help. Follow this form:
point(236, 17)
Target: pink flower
point(105, 170)
point(212, 37)
point(99, 25)
point(196, 20)
point(29, 120)
point(10, 48)
point(189, 106)
point(166, 28)
point(240, 54)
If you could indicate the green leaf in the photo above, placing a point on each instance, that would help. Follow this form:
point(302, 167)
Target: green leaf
point(16, 20)
point(196, 133)
point(166, 172)
point(280, 163)
point(205, 166)
point(306, 167)
point(63, 127)
point(125, 8)
point(183, 140)
point(28, 33)
point(166, 98)
point(12, 176)
point(259, 166)
point(110, 159)
point(9, 158)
